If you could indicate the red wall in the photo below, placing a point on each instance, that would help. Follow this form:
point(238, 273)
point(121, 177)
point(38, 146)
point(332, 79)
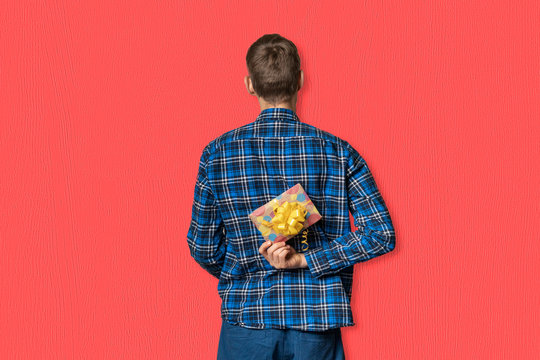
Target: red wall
point(105, 108)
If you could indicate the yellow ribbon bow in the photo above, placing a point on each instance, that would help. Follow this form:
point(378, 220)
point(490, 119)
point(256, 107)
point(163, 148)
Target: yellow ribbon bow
point(288, 218)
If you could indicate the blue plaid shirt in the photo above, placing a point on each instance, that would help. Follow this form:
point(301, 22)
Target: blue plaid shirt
point(248, 166)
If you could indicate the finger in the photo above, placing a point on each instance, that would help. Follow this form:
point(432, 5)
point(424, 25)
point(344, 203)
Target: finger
point(279, 251)
point(283, 255)
point(291, 248)
point(281, 259)
point(264, 247)
point(279, 254)
point(275, 246)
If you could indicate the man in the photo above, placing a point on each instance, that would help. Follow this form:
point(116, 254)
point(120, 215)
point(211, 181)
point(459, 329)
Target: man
point(283, 300)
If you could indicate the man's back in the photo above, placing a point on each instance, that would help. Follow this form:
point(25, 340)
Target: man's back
point(249, 166)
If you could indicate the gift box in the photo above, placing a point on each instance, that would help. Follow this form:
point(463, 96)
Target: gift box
point(286, 215)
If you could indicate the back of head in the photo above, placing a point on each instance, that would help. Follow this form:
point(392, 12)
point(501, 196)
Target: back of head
point(274, 66)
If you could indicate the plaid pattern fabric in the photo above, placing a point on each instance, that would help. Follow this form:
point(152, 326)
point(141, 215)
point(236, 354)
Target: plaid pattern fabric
point(248, 166)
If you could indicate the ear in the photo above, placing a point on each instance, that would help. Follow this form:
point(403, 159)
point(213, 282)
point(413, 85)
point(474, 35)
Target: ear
point(301, 79)
point(249, 85)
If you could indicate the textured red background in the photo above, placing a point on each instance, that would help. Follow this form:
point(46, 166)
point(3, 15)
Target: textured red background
point(105, 108)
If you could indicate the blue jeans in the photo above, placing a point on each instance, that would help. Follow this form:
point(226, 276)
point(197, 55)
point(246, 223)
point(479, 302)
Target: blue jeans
point(239, 343)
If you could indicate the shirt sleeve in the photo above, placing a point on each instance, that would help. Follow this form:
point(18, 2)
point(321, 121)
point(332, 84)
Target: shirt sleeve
point(375, 235)
point(206, 235)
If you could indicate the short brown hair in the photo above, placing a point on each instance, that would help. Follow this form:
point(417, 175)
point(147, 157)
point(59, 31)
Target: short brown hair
point(274, 66)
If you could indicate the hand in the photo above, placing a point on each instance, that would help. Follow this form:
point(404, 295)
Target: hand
point(282, 256)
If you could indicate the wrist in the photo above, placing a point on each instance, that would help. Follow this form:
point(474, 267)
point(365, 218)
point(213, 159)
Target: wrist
point(303, 262)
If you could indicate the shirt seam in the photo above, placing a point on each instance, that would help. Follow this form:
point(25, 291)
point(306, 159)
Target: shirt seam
point(212, 152)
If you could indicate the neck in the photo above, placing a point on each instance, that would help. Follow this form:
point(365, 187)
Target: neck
point(291, 105)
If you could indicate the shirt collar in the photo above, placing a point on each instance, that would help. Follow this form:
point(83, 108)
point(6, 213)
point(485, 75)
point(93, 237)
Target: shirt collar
point(277, 114)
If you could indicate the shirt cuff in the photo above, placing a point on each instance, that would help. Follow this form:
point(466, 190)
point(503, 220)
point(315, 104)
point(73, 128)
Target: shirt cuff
point(317, 262)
